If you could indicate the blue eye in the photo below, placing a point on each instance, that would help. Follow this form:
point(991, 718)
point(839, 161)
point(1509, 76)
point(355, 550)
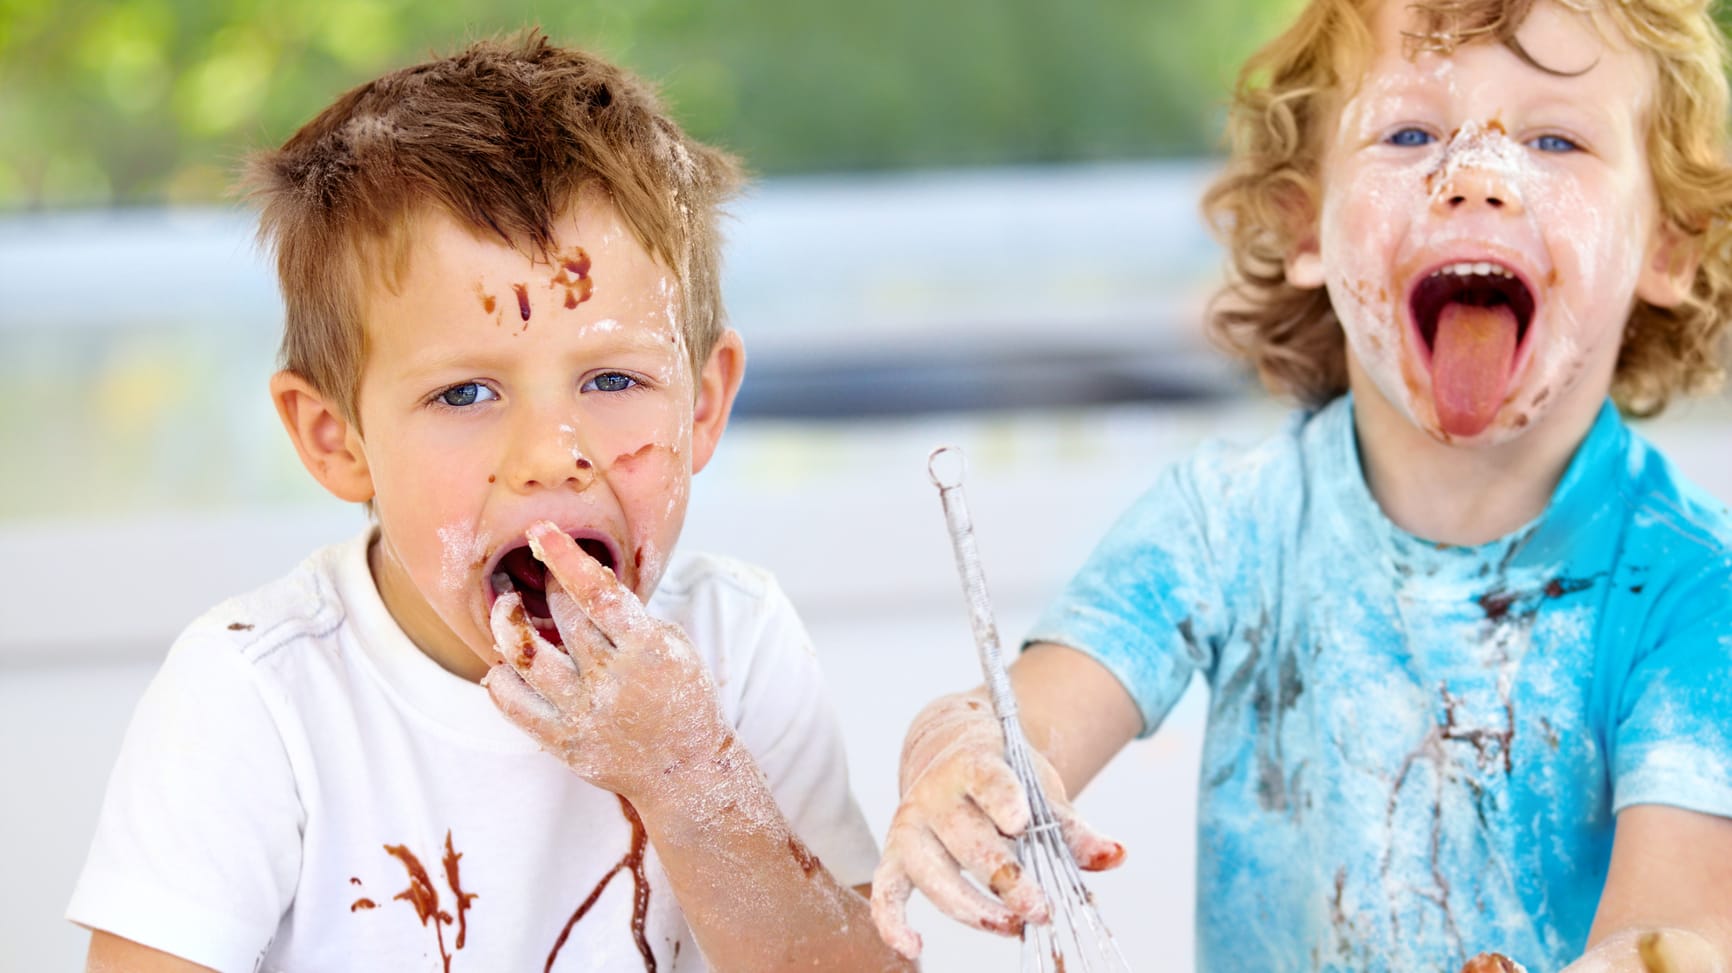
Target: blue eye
point(467, 394)
point(1554, 143)
point(610, 382)
point(1409, 138)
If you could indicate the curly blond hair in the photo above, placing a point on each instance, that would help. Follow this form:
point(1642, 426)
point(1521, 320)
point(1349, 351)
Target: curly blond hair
point(1264, 202)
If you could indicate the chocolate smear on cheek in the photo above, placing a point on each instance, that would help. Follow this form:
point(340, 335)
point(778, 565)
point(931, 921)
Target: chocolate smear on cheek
point(625, 461)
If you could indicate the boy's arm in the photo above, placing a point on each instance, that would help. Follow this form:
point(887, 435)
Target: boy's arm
point(112, 954)
point(960, 798)
point(630, 708)
point(755, 897)
point(1671, 874)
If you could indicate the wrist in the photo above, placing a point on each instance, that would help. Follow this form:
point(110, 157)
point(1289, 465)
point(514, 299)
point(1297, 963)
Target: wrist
point(703, 787)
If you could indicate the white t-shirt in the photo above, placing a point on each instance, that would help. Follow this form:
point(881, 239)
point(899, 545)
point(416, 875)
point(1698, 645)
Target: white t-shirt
point(301, 789)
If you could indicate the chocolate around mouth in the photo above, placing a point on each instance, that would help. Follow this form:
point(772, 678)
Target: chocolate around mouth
point(1497, 288)
point(519, 571)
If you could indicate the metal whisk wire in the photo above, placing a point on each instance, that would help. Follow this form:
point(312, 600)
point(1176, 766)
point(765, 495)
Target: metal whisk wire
point(1075, 940)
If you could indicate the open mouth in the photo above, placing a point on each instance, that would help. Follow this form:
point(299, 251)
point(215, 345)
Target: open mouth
point(1473, 318)
point(519, 571)
point(1475, 285)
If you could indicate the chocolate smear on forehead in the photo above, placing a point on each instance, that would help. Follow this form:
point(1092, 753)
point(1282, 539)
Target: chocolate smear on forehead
point(632, 861)
point(573, 275)
point(522, 302)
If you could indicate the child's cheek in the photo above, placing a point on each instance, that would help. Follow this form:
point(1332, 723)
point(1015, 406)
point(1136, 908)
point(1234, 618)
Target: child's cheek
point(463, 553)
point(1363, 231)
point(1596, 258)
point(651, 475)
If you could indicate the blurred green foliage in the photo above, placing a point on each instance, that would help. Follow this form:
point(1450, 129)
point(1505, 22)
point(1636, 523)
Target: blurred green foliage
point(156, 100)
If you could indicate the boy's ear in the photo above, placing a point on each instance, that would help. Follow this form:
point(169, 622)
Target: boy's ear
point(718, 383)
point(329, 445)
point(1304, 263)
point(1669, 267)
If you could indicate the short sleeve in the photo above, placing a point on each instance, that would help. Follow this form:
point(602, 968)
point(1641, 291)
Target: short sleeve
point(197, 846)
point(1147, 604)
point(1672, 740)
point(788, 724)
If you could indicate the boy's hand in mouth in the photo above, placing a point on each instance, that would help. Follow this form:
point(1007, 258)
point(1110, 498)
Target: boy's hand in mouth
point(627, 704)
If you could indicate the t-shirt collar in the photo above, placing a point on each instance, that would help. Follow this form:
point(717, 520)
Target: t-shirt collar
point(447, 703)
point(1579, 492)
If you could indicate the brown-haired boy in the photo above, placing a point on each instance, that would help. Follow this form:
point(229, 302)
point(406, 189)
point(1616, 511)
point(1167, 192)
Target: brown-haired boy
point(504, 333)
point(1468, 638)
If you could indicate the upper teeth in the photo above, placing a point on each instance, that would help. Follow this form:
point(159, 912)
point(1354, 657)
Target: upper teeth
point(1474, 268)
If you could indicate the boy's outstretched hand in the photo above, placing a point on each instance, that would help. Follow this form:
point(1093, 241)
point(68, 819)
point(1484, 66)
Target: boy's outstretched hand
point(628, 702)
point(962, 806)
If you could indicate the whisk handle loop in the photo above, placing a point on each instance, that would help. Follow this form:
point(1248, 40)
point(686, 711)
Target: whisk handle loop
point(961, 526)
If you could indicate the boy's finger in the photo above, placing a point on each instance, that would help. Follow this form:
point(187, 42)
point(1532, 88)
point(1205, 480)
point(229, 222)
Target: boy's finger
point(890, 891)
point(585, 643)
point(539, 662)
point(610, 605)
point(935, 873)
point(520, 704)
point(973, 840)
point(995, 789)
point(1094, 852)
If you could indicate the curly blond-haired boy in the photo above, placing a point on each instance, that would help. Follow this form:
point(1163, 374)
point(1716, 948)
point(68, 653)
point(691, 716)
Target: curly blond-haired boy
point(1468, 637)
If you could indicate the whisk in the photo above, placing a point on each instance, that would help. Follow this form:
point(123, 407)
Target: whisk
point(1075, 940)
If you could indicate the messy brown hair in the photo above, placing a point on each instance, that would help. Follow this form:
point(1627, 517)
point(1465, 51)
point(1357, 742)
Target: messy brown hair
point(502, 136)
point(1264, 203)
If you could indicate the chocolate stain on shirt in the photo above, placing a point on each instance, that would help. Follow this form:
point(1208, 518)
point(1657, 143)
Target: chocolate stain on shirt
point(632, 860)
point(425, 898)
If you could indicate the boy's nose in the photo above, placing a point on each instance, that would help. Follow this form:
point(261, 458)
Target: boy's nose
point(1471, 188)
point(548, 455)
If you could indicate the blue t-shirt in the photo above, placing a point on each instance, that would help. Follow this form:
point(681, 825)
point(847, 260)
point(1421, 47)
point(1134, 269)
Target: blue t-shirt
point(1415, 751)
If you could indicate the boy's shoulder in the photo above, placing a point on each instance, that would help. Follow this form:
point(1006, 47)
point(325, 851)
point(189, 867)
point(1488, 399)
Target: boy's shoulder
point(725, 605)
point(1666, 505)
point(1258, 475)
point(695, 573)
point(305, 602)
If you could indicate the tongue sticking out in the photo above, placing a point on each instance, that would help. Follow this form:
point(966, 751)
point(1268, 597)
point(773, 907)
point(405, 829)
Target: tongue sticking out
point(1470, 364)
